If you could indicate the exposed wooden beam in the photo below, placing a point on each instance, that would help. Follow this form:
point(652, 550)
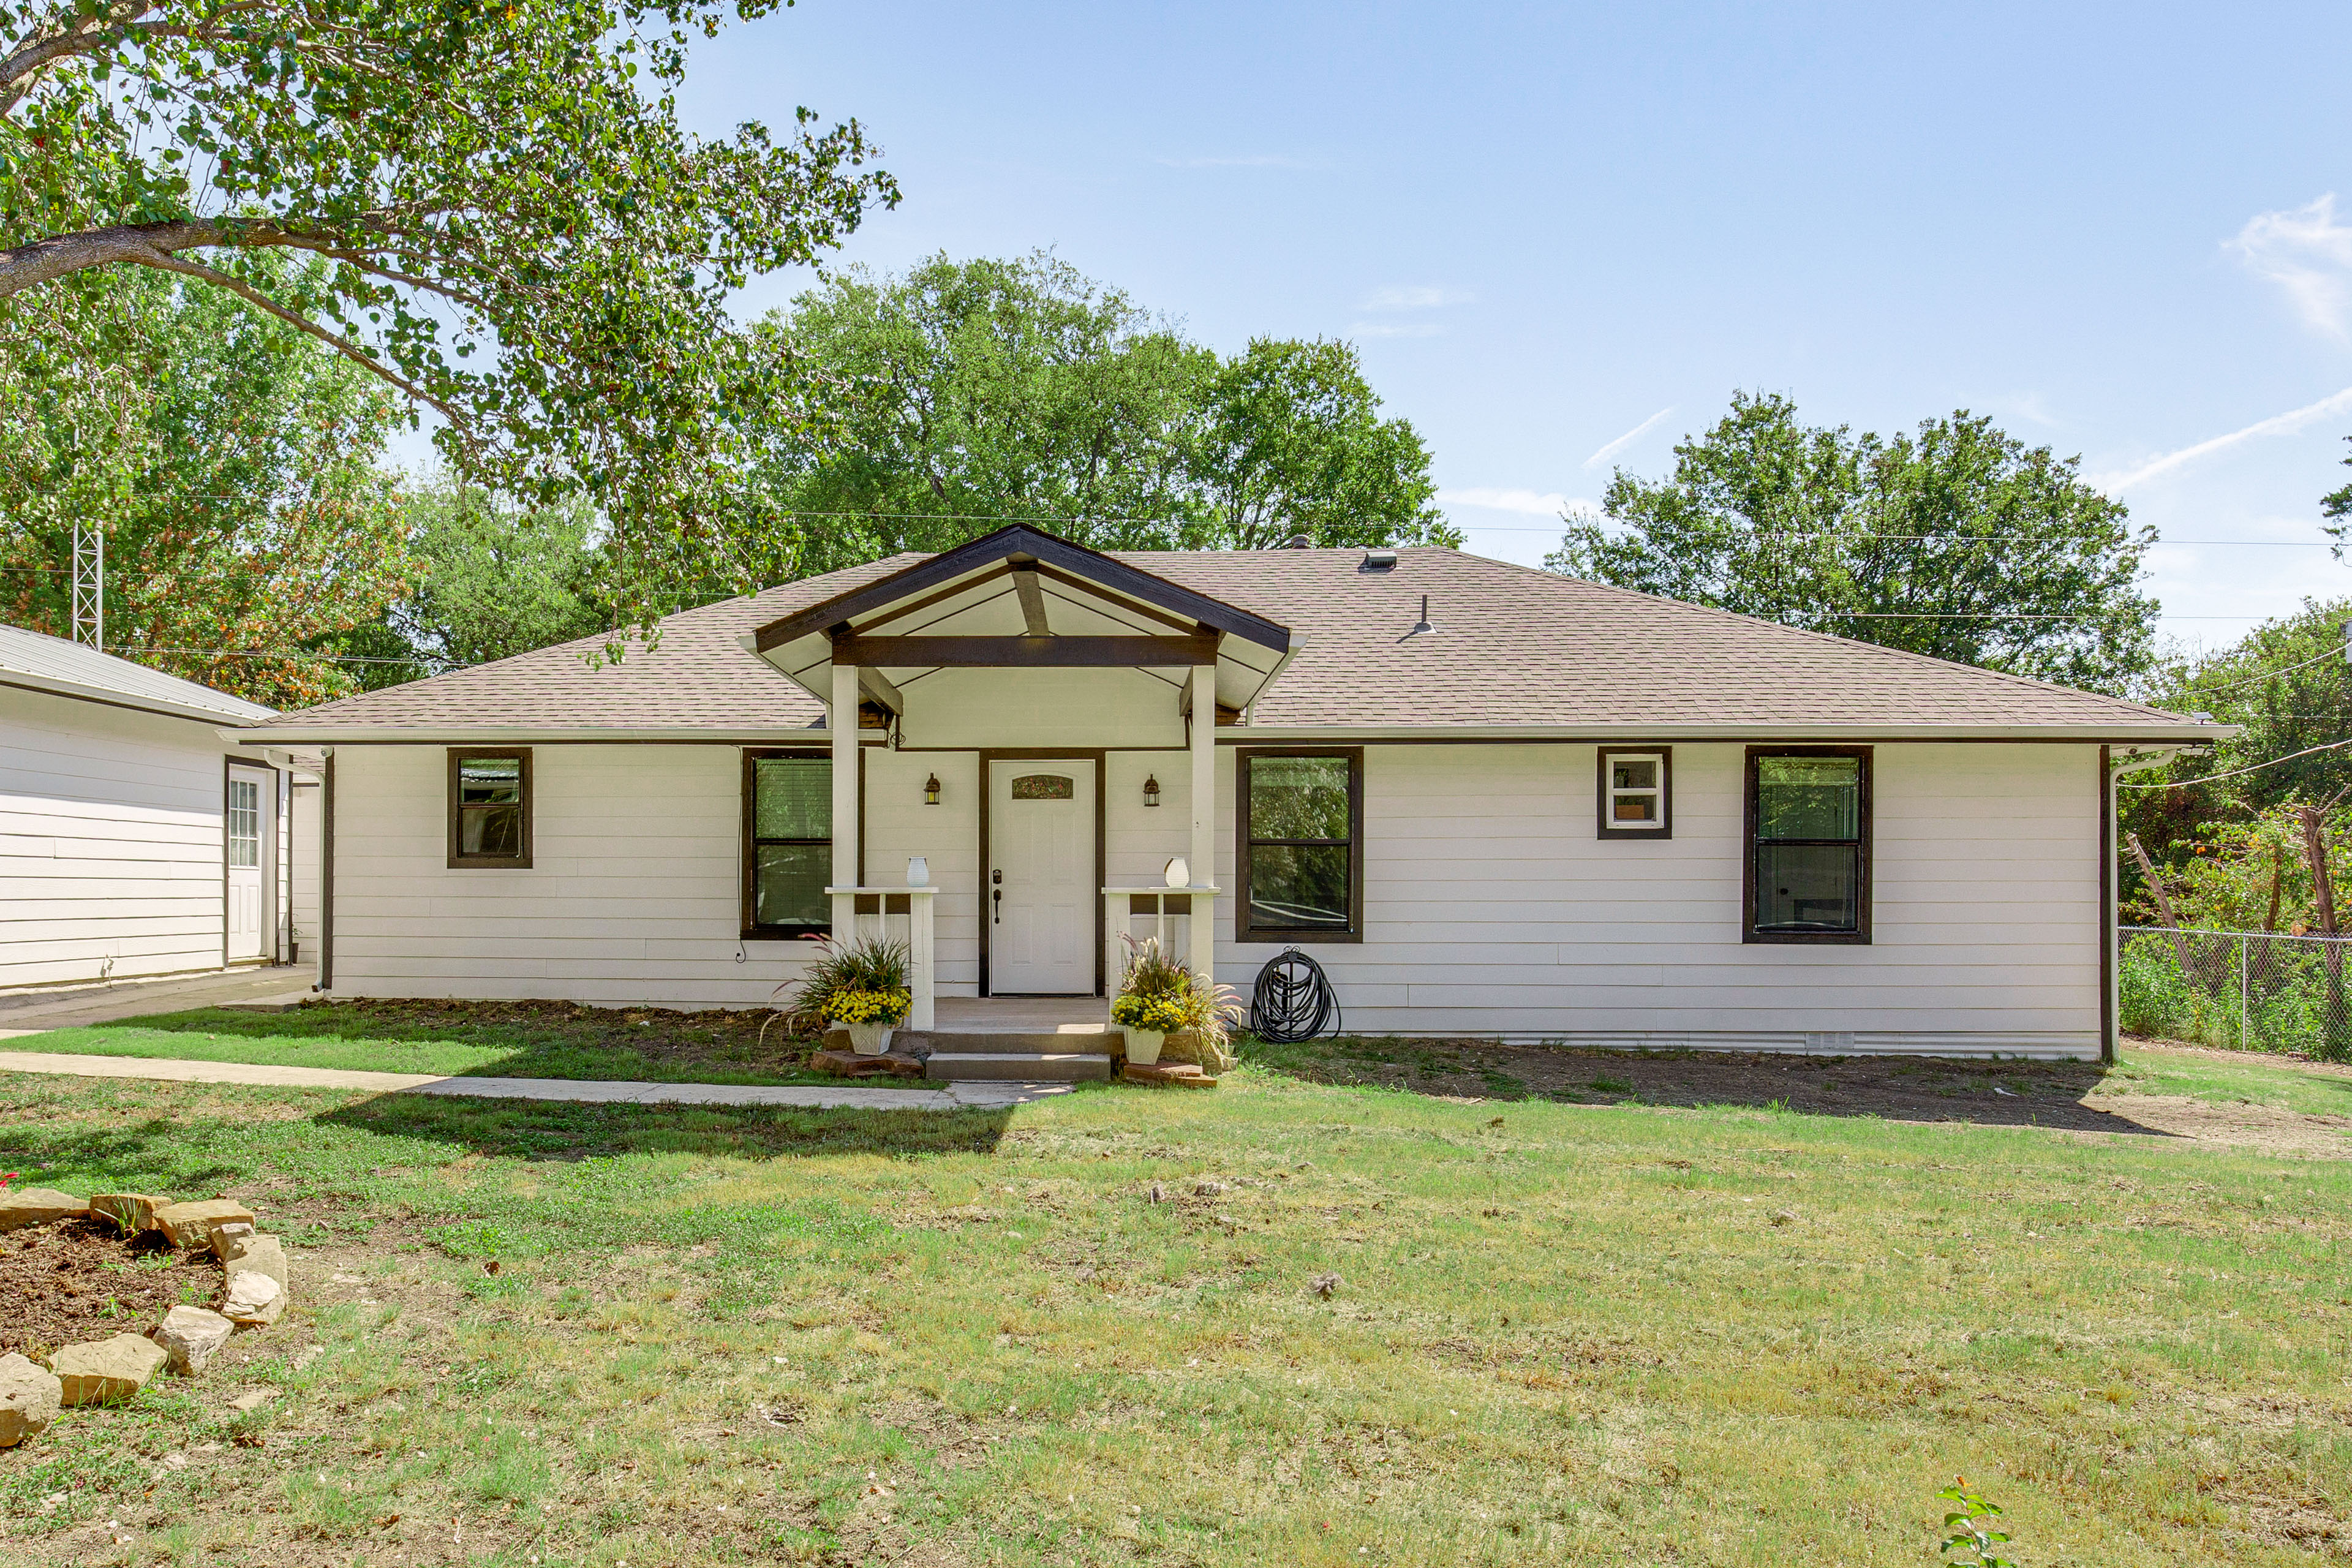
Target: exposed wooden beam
point(1024, 652)
point(952, 591)
point(1033, 602)
point(1127, 606)
point(877, 689)
point(1101, 570)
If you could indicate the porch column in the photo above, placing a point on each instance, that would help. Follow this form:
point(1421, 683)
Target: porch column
point(842, 721)
point(1204, 820)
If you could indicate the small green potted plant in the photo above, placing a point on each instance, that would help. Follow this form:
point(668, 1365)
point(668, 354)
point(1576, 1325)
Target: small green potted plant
point(862, 988)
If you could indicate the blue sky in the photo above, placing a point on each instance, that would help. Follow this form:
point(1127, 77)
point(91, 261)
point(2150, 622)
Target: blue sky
point(1563, 234)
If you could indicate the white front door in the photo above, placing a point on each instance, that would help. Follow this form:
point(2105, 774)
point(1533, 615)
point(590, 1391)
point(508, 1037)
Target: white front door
point(1042, 885)
point(248, 823)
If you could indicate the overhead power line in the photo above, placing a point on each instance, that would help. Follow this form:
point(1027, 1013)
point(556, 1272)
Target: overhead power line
point(2237, 773)
point(2282, 669)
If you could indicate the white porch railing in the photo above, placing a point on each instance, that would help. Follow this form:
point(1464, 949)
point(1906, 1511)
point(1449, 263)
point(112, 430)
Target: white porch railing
point(893, 914)
point(1183, 920)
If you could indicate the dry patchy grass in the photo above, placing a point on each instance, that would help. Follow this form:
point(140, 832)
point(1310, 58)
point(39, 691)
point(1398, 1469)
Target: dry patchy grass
point(1562, 1335)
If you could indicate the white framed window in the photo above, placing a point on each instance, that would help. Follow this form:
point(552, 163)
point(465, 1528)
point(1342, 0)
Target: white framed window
point(243, 822)
point(1636, 792)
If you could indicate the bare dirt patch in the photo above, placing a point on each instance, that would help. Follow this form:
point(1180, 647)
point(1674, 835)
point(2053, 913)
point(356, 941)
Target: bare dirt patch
point(80, 1281)
point(2067, 1096)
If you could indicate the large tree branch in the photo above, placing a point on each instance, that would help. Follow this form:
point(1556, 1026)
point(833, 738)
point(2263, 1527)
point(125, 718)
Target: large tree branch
point(164, 262)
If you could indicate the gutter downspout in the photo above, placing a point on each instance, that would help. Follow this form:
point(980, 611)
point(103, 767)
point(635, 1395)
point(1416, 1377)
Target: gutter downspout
point(327, 879)
point(2110, 980)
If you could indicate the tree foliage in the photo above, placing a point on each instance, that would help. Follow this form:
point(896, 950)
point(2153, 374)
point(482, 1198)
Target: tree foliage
point(516, 231)
point(232, 463)
point(2288, 686)
point(496, 579)
point(1959, 541)
point(978, 391)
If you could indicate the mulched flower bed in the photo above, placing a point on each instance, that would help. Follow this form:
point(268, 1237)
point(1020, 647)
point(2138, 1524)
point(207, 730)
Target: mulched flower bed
point(63, 1284)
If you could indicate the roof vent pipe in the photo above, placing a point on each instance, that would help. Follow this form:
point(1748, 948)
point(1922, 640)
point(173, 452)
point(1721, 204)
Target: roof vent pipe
point(1421, 625)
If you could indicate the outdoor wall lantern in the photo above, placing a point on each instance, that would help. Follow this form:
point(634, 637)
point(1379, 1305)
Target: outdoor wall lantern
point(932, 790)
point(1151, 790)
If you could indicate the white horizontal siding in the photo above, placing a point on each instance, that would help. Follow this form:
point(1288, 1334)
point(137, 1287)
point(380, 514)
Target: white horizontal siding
point(109, 842)
point(632, 896)
point(1494, 908)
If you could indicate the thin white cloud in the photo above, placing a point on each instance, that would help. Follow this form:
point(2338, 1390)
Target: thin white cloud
point(1627, 439)
point(1414, 299)
point(1244, 161)
point(1395, 328)
point(2286, 424)
point(1534, 503)
point(2307, 253)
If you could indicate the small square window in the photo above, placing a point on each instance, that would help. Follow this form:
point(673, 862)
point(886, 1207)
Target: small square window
point(1636, 792)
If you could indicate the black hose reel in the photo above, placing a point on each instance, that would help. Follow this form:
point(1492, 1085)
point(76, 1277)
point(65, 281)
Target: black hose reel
point(1293, 1001)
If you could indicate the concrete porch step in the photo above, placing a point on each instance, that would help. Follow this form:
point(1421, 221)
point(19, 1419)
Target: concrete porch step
point(995, 1042)
point(1018, 1067)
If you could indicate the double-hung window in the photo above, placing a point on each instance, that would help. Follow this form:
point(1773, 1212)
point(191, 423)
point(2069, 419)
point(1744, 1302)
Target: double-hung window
point(1809, 844)
point(1301, 855)
point(1636, 799)
point(489, 807)
point(787, 842)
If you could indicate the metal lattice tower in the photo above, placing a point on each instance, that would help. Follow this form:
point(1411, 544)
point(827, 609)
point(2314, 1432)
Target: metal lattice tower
point(90, 586)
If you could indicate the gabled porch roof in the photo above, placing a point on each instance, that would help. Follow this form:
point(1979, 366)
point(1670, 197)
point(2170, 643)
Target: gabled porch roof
point(1020, 598)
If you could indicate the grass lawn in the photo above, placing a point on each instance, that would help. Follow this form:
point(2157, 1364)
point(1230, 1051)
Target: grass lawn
point(1560, 1333)
point(526, 1039)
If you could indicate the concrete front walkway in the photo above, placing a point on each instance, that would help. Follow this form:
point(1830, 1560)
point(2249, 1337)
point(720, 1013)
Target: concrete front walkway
point(31, 1012)
point(584, 1091)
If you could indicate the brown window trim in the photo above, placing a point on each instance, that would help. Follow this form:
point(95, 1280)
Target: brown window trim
point(530, 810)
point(1243, 930)
point(1665, 827)
point(749, 891)
point(1865, 846)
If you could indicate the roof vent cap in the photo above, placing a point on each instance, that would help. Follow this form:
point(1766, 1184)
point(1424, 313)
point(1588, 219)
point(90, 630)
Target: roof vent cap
point(1298, 542)
point(1378, 561)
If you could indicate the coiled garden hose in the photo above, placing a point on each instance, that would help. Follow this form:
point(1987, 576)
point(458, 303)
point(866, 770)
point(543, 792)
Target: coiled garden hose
point(1293, 1000)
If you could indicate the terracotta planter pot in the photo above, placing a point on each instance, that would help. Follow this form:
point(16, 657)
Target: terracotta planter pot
point(869, 1039)
point(1143, 1045)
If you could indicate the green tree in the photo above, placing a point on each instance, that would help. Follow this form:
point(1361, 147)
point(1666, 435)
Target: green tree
point(496, 579)
point(1959, 543)
point(981, 392)
point(1290, 441)
point(518, 233)
point(2288, 687)
point(232, 464)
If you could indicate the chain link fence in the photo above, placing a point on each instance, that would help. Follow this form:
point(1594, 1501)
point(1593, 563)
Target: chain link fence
point(2242, 990)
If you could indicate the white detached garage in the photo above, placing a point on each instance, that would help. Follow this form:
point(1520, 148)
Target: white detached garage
point(134, 840)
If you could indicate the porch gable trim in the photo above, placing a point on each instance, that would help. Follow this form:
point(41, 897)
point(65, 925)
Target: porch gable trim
point(1097, 570)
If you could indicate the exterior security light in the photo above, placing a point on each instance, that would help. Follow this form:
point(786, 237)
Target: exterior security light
point(932, 790)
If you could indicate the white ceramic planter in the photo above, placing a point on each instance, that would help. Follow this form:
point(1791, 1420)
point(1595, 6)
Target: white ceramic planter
point(869, 1039)
point(1143, 1045)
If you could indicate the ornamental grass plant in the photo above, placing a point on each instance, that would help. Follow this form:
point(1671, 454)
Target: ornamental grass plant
point(1158, 987)
point(864, 982)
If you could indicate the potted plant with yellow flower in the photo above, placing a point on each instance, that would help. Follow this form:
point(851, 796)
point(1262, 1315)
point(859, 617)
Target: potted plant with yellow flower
point(1159, 997)
point(862, 988)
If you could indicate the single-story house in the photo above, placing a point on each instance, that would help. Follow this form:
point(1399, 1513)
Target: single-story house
point(135, 841)
point(1489, 801)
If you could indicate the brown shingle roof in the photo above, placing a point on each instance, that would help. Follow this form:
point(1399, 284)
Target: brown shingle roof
point(1514, 646)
